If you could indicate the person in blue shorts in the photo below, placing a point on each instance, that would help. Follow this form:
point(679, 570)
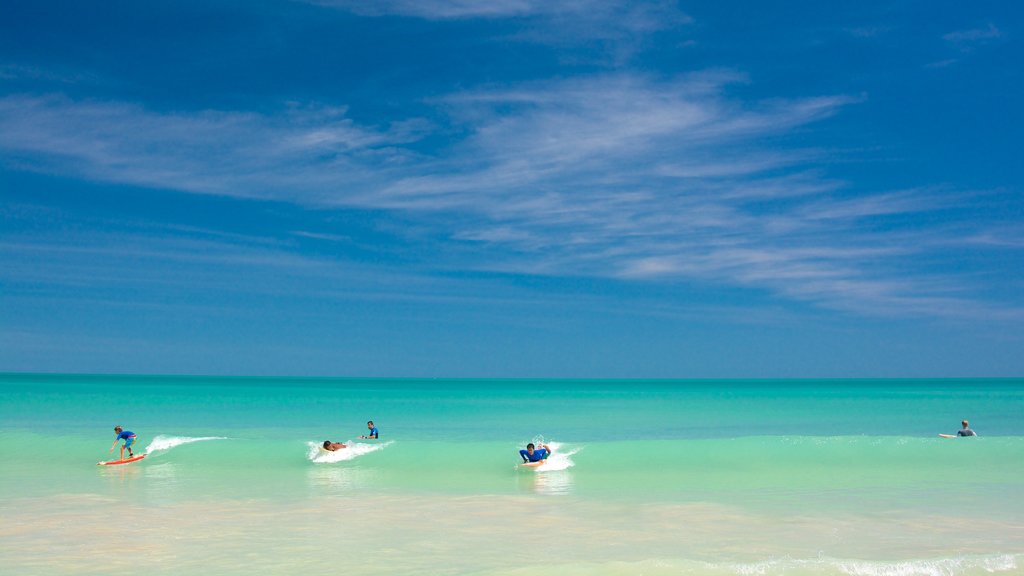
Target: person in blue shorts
point(532, 454)
point(374, 433)
point(129, 439)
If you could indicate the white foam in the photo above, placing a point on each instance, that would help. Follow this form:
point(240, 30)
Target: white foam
point(167, 442)
point(937, 567)
point(318, 455)
point(558, 460)
point(822, 566)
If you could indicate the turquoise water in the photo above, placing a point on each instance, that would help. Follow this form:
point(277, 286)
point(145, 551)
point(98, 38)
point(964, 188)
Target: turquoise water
point(648, 477)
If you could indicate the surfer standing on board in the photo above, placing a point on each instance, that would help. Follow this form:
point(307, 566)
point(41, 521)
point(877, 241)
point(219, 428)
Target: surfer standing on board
point(531, 454)
point(965, 431)
point(129, 439)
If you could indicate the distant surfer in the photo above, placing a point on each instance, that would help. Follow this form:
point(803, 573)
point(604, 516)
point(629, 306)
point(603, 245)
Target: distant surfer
point(332, 446)
point(533, 454)
point(129, 438)
point(965, 431)
point(374, 433)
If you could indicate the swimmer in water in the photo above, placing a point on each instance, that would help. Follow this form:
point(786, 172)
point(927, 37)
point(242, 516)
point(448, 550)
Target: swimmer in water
point(332, 446)
point(965, 431)
point(374, 434)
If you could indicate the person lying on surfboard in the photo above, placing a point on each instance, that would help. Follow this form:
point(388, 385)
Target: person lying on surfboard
point(332, 446)
point(129, 439)
point(531, 454)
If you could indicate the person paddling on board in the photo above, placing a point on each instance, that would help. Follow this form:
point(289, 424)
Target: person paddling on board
point(374, 434)
point(532, 454)
point(332, 446)
point(129, 439)
point(965, 431)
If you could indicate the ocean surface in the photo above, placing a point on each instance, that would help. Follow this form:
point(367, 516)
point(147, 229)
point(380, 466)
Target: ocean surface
point(723, 477)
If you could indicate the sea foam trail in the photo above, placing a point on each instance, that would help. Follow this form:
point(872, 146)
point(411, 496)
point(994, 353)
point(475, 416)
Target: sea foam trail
point(167, 442)
point(559, 460)
point(351, 451)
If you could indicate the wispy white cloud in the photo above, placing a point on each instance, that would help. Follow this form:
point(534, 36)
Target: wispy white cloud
point(618, 176)
point(443, 9)
point(884, 204)
point(321, 236)
point(12, 71)
point(989, 32)
point(869, 31)
point(942, 63)
point(638, 16)
point(997, 237)
point(230, 153)
point(621, 25)
point(967, 40)
point(154, 259)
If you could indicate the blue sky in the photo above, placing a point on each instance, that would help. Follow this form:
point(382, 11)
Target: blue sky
point(451, 188)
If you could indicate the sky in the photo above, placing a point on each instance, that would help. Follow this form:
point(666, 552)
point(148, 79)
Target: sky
point(519, 188)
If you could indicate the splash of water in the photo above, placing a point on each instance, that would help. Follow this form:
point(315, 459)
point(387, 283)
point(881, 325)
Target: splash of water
point(351, 451)
point(559, 459)
point(162, 442)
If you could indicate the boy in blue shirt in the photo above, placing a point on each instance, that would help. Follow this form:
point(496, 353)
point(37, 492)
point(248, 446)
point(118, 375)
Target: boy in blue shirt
point(532, 455)
point(129, 439)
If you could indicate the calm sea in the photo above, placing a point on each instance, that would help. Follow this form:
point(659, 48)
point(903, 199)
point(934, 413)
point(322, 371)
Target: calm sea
point(648, 477)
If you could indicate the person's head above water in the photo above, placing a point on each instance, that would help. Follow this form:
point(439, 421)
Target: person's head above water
point(964, 423)
point(369, 424)
point(327, 443)
point(530, 447)
point(118, 429)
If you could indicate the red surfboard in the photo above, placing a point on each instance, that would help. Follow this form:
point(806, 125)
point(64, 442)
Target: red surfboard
point(125, 461)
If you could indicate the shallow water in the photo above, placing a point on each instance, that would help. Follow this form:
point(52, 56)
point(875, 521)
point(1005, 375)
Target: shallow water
point(721, 477)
